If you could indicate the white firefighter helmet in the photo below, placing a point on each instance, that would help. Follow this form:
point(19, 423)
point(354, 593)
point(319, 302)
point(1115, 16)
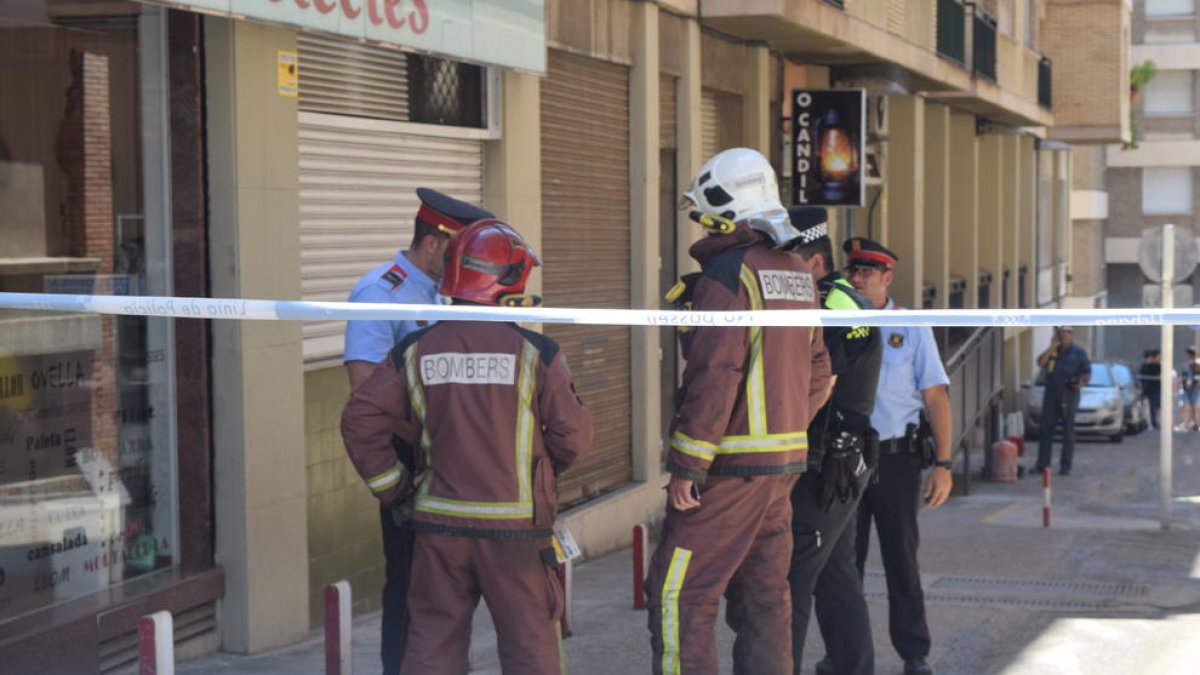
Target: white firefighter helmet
point(740, 184)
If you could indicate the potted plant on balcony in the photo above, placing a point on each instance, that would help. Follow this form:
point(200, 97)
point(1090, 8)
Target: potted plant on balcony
point(1139, 76)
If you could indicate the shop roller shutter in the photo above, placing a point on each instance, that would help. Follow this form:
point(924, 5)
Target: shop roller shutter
point(586, 245)
point(358, 179)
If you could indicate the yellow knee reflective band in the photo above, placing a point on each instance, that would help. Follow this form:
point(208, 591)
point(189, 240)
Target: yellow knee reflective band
point(676, 573)
point(386, 480)
point(690, 446)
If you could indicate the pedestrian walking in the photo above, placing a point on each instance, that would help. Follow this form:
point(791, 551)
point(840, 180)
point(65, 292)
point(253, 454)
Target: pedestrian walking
point(411, 277)
point(840, 459)
point(1189, 373)
point(1067, 371)
point(1150, 375)
point(739, 435)
point(912, 416)
point(494, 413)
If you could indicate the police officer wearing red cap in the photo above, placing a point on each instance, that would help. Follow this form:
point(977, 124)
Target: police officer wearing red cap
point(493, 411)
point(825, 500)
point(410, 278)
point(912, 380)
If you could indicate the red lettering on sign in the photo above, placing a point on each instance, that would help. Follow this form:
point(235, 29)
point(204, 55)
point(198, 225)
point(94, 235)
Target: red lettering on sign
point(349, 10)
point(373, 12)
point(302, 4)
point(420, 22)
point(389, 9)
point(325, 6)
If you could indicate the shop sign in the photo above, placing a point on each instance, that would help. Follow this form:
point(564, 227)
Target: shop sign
point(507, 33)
point(827, 146)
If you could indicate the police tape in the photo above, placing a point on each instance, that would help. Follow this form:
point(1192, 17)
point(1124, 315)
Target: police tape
point(295, 310)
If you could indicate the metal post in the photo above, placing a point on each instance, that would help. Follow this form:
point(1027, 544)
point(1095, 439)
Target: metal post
point(1167, 384)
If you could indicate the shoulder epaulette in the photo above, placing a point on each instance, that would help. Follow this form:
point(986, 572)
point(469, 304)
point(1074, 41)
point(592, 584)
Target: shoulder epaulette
point(546, 346)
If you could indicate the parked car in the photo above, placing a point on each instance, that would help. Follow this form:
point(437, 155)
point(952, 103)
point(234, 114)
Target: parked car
point(1137, 408)
point(1101, 408)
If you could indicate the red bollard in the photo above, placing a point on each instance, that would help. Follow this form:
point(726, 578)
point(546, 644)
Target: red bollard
point(641, 540)
point(338, 659)
point(156, 644)
point(1046, 499)
point(566, 574)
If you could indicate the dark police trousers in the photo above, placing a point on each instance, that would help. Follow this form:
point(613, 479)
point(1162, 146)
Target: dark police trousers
point(893, 502)
point(824, 563)
point(397, 556)
point(1058, 405)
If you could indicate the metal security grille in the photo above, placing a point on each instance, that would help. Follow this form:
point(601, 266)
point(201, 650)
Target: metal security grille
point(446, 92)
point(586, 245)
point(710, 125)
point(358, 179)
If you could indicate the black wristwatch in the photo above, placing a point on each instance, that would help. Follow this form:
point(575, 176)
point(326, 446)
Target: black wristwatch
point(945, 464)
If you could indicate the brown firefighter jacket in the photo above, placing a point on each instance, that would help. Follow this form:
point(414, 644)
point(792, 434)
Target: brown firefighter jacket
point(748, 393)
point(494, 416)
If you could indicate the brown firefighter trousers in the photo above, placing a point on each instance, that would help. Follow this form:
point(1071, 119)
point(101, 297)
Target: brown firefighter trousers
point(450, 573)
point(737, 543)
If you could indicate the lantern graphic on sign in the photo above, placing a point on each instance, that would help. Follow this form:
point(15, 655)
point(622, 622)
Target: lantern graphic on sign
point(838, 153)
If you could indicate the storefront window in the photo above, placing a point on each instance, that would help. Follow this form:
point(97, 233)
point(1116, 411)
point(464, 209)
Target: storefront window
point(87, 446)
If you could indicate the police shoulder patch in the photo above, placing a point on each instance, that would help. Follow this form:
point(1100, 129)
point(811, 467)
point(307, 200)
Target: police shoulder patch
point(896, 340)
point(395, 276)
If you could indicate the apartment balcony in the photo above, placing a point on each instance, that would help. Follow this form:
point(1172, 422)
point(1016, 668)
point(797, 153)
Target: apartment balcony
point(1088, 41)
point(943, 48)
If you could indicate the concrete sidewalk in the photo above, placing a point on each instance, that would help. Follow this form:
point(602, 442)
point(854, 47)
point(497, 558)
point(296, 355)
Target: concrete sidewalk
point(1101, 591)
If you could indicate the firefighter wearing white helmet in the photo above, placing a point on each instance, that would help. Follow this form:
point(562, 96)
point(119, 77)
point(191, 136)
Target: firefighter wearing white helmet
point(738, 437)
point(739, 185)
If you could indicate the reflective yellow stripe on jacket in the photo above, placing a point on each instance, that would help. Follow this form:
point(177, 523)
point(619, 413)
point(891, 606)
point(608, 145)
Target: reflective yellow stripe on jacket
point(756, 383)
point(518, 510)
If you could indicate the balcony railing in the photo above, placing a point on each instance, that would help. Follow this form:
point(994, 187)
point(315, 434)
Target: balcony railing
point(983, 43)
point(951, 31)
point(1045, 90)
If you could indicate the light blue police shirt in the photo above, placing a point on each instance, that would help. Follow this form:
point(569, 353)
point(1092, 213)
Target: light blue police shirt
point(371, 340)
point(911, 363)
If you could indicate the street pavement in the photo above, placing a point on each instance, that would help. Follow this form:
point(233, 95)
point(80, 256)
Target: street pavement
point(1102, 590)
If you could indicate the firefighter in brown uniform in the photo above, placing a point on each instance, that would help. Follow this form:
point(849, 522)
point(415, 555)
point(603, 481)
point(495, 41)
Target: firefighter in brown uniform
point(738, 438)
point(494, 414)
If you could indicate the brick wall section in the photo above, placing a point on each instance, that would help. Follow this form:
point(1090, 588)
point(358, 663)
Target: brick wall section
point(85, 155)
point(343, 518)
point(1088, 44)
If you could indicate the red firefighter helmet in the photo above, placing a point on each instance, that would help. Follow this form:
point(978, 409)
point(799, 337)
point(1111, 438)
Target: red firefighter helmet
point(488, 263)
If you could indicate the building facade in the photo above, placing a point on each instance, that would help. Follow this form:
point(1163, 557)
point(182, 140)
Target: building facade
point(1156, 182)
point(176, 148)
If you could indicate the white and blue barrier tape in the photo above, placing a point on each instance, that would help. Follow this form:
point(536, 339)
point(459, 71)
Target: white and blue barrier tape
point(294, 310)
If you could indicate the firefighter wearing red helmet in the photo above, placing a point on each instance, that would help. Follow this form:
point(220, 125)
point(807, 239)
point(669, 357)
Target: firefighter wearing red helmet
point(739, 435)
point(494, 415)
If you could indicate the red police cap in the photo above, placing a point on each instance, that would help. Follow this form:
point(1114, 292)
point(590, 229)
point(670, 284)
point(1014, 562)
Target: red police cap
point(868, 253)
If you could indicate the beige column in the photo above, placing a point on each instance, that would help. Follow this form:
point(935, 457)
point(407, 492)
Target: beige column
point(254, 247)
point(756, 103)
point(937, 201)
point(513, 164)
point(964, 215)
point(991, 214)
point(644, 186)
point(1027, 243)
point(688, 155)
point(905, 197)
point(1010, 232)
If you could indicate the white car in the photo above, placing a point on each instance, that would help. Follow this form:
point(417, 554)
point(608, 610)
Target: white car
point(1101, 408)
point(1137, 408)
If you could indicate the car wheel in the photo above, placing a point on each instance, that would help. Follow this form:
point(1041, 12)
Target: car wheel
point(1117, 437)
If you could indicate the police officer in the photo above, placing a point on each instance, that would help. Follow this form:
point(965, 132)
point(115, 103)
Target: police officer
point(1067, 371)
point(493, 410)
point(825, 499)
point(739, 435)
point(410, 278)
point(912, 379)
